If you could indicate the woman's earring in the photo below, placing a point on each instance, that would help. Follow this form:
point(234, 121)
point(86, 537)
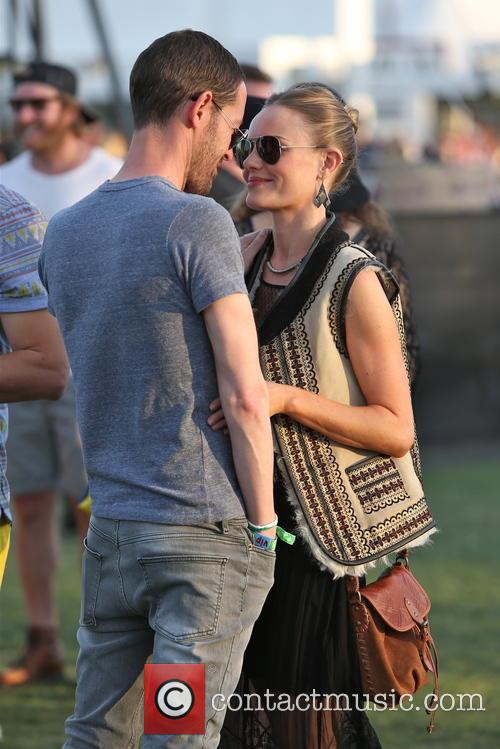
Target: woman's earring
point(322, 198)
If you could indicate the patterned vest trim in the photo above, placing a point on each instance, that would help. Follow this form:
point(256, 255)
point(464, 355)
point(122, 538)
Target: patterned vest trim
point(353, 507)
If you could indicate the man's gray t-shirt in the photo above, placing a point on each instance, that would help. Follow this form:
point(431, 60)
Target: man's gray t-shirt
point(129, 270)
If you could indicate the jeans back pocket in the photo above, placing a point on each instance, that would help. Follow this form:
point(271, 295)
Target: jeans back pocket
point(91, 578)
point(185, 593)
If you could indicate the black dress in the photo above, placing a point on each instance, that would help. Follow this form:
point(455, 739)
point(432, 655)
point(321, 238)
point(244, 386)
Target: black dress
point(301, 644)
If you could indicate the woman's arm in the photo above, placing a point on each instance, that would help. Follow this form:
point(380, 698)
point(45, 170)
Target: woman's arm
point(385, 424)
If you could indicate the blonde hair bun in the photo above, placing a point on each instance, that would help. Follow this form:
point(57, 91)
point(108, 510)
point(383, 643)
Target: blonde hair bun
point(353, 116)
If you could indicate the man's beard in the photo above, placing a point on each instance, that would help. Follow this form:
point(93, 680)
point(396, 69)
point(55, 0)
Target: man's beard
point(203, 167)
point(48, 137)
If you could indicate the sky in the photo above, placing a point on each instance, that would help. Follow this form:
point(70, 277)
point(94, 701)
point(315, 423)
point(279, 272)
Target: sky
point(241, 26)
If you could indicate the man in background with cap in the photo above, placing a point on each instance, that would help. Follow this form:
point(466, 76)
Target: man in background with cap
point(56, 170)
point(57, 167)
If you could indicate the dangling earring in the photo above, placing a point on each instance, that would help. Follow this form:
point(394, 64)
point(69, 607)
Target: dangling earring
point(322, 198)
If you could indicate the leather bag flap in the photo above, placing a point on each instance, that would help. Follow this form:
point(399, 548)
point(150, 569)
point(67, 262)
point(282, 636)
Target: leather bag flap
point(398, 599)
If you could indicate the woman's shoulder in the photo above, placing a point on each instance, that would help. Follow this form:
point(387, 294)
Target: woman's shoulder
point(350, 251)
point(352, 259)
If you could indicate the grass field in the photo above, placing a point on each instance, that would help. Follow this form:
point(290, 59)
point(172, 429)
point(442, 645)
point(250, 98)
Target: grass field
point(458, 570)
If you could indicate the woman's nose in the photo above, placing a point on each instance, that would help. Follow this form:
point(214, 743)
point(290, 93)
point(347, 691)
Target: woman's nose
point(253, 159)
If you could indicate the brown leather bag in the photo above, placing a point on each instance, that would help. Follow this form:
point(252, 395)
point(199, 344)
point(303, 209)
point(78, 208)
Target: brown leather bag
point(395, 647)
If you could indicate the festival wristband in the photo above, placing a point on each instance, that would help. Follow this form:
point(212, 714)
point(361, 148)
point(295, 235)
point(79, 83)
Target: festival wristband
point(266, 527)
point(285, 536)
point(264, 542)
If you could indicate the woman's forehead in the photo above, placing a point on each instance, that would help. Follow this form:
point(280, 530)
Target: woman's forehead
point(277, 120)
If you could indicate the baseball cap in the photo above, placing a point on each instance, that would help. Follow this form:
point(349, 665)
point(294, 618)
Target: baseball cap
point(58, 76)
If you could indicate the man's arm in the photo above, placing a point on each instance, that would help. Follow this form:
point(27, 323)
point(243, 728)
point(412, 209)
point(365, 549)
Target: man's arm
point(243, 393)
point(37, 367)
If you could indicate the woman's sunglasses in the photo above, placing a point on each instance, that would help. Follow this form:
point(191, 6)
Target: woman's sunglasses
point(269, 148)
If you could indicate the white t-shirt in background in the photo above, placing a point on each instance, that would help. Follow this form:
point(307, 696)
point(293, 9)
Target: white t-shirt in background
point(53, 192)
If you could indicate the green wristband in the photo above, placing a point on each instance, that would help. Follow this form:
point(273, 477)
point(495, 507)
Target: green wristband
point(285, 536)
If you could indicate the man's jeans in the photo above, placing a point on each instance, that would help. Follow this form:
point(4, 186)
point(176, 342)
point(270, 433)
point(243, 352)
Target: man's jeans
point(180, 594)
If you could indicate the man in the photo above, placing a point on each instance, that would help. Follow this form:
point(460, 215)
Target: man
point(56, 169)
point(145, 278)
point(58, 166)
point(32, 357)
point(229, 182)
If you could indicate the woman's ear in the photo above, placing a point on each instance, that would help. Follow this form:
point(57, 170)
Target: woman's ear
point(332, 160)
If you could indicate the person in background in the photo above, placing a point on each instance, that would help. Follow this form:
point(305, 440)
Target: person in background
point(56, 169)
point(229, 184)
point(33, 361)
point(368, 225)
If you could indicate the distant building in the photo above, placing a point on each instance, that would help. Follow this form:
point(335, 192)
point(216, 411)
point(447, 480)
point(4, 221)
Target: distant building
point(395, 60)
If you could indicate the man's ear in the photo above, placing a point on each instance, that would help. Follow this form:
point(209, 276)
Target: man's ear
point(70, 114)
point(199, 109)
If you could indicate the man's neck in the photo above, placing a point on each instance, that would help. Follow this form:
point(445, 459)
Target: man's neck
point(156, 153)
point(68, 154)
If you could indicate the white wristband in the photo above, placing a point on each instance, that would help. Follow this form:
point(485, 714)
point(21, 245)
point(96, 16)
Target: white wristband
point(265, 527)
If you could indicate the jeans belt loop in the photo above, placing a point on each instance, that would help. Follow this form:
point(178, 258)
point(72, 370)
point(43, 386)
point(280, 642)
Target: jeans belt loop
point(225, 526)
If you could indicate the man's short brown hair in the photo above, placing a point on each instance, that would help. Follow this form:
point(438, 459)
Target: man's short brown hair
point(176, 67)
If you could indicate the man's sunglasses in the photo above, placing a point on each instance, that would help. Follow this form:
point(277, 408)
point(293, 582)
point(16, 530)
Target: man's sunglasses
point(37, 104)
point(237, 134)
point(269, 148)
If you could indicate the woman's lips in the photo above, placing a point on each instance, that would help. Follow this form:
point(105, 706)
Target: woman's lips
point(256, 181)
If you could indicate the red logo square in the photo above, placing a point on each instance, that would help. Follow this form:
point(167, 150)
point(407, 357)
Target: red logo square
point(174, 698)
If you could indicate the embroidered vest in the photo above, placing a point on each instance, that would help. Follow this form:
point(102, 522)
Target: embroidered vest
point(352, 506)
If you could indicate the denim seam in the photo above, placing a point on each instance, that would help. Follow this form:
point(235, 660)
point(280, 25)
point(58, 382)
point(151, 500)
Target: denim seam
point(125, 600)
point(88, 618)
point(102, 534)
point(138, 539)
point(221, 683)
point(245, 586)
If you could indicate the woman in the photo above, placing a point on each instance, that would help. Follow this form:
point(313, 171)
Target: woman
point(329, 323)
